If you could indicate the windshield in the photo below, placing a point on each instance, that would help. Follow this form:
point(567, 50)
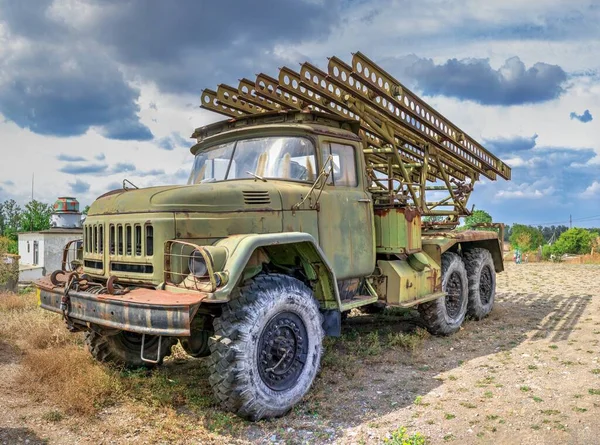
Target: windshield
point(279, 157)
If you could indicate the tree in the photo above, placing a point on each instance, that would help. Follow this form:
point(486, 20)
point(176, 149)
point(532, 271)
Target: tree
point(525, 237)
point(11, 218)
point(477, 217)
point(575, 240)
point(86, 210)
point(36, 216)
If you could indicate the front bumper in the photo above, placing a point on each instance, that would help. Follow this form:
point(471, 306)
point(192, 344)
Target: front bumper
point(145, 311)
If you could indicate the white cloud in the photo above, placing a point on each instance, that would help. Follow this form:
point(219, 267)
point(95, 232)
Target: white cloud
point(593, 191)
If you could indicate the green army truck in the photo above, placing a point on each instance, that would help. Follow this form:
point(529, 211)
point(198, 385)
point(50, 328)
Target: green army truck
point(322, 192)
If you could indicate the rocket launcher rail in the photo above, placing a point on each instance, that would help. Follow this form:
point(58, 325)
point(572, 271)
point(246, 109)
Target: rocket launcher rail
point(407, 144)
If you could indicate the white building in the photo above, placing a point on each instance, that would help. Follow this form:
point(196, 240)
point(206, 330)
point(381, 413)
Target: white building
point(41, 252)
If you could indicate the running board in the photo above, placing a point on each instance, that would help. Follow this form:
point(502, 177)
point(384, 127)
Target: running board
point(358, 301)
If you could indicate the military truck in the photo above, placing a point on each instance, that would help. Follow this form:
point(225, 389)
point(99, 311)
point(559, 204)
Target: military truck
point(322, 192)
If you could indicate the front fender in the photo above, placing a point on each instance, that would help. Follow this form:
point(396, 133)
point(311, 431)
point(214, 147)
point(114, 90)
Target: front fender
point(300, 244)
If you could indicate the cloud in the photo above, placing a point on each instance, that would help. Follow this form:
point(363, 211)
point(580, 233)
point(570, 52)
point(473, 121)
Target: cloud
point(114, 186)
point(477, 81)
point(153, 172)
point(122, 167)
point(513, 144)
point(211, 41)
point(83, 169)
point(9, 183)
point(56, 82)
point(172, 141)
point(79, 186)
point(100, 157)
point(70, 158)
point(585, 117)
point(592, 191)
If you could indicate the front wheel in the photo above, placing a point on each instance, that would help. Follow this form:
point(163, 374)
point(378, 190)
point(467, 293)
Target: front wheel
point(267, 348)
point(445, 315)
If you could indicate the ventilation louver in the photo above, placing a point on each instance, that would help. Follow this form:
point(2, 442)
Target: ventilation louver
point(258, 197)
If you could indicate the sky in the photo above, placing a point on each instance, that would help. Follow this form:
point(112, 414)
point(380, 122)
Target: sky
point(96, 91)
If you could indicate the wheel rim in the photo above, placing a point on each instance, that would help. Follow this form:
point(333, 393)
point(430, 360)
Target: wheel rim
point(486, 285)
point(454, 295)
point(282, 351)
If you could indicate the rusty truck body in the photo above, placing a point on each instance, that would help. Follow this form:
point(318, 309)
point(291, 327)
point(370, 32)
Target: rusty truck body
point(322, 192)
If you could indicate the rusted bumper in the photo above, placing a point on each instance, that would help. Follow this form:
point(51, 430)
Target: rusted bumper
point(145, 311)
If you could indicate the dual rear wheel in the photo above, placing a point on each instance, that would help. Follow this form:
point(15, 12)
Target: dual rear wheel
point(470, 286)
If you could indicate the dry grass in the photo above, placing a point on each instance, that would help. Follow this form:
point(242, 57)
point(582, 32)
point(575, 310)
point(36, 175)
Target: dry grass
point(30, 328)
point(55, 365)
point(67, 377)
point(14, 302)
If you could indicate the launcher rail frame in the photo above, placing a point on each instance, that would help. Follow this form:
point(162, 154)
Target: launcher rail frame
point(407, 144)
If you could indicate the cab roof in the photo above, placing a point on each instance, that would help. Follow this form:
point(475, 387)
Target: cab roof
point(316, 122)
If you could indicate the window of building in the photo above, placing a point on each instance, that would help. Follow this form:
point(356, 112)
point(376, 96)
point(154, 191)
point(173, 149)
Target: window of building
point(344, 165)
point(28, 247)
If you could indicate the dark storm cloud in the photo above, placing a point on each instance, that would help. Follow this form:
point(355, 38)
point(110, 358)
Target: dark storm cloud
point(477, 81)
point(79, 186)
point(61, 83)
point(70, 158)
point(585, 117)
point(83, 169)
point(195, 44)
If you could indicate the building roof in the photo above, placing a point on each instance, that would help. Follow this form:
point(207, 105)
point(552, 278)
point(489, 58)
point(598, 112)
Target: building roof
point(57, 231)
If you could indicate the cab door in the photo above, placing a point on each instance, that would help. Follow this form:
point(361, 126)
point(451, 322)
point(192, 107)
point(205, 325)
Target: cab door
point(345, 216)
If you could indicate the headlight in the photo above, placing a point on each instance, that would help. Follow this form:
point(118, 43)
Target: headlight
point(197, 265)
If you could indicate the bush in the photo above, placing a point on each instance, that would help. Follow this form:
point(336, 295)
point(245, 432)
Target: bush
point(575, 241)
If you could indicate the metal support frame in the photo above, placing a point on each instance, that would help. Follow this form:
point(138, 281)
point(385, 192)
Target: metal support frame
point(407, 144)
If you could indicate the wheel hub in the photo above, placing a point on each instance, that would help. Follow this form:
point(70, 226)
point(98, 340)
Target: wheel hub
point(282, 351)
point(454, 294)
point(486, 285)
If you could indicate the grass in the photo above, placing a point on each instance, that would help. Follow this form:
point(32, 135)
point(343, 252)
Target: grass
point(401, 437)
point(53, 416)
point(525, 388)
point(594, 392)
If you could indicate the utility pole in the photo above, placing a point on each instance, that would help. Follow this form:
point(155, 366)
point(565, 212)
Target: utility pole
point(32, 178)
point(570, 221)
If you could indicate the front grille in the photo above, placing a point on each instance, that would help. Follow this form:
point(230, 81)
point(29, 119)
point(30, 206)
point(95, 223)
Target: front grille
point(135, 268)
point(135, 240)
point(256, 197)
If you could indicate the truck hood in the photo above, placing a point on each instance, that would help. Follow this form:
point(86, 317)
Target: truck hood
point(231, 196)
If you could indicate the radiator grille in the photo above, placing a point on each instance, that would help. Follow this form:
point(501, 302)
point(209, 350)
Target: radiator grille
point(134, 240)
point(256, 197)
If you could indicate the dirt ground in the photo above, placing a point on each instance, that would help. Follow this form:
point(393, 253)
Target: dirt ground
point(529, 373)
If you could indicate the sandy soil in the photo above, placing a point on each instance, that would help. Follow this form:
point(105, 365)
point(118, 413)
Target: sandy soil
point(529, 373)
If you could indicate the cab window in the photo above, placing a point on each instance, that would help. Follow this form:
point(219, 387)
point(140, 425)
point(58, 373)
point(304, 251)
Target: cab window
point(344, 164)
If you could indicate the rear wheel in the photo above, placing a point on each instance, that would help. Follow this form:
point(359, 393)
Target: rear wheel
point(482, 282)
point(445, 315)
point(266, 349)
point(124, 348)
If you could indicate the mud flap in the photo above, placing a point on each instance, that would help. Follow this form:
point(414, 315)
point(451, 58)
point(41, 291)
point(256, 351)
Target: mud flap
point(332, 322)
